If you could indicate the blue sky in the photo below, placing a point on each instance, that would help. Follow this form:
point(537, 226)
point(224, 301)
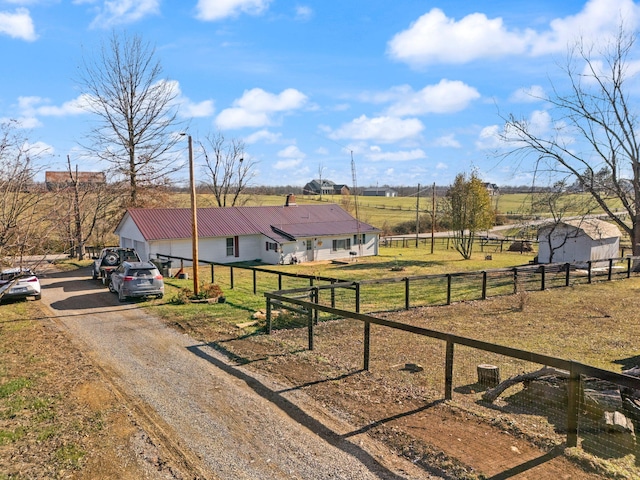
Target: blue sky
point(415, 89)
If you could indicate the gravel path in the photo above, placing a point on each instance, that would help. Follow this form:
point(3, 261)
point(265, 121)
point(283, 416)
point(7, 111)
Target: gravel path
point(228, 422)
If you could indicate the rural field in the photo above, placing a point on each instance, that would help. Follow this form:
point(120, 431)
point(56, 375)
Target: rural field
point(59, 419)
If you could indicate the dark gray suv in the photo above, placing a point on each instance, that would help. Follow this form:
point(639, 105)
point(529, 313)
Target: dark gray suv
point(136, 279)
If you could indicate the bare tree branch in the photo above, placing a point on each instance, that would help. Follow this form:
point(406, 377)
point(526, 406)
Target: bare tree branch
point(136, 112)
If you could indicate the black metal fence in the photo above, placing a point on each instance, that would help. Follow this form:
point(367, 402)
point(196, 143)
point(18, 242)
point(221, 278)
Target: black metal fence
point(574, 413)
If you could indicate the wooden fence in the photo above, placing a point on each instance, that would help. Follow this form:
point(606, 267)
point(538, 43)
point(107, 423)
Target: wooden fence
point(306, 302)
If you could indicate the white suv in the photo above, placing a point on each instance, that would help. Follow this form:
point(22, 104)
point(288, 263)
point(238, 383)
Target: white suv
point(19, 283)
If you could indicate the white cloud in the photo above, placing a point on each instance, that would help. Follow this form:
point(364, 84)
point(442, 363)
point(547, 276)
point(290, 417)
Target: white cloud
point(381, 129)
point(539, 124)
point(38, 149)
point(25, 122)
point(286, 164)
point(263, 136)
point(598, 19)
point(256, 108)
point(435, 38)
point(191, 109)
point(399, 156)
point(118, 12)
point(442, 166)
point(445, 97)
point(447, 141)
point(534, 93)
point(291, 152)
point(303, 13)
point(37, 106)
point(219, 9)
point(18, 24)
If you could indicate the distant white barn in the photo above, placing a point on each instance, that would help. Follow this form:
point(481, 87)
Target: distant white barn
point(578, 241)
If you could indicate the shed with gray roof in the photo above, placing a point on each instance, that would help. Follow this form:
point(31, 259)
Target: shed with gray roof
point(578, 241)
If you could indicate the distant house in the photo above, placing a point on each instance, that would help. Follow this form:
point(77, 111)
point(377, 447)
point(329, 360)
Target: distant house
point(379, 192)
point(578, 241)
point(57, 180)
point(272, 234)
point(324, 187)
point(492, 188)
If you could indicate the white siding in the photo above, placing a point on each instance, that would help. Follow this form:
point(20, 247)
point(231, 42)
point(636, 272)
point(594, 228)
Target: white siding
point(251, 247)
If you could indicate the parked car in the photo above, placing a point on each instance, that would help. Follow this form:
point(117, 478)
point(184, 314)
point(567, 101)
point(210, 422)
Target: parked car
point(19, 283)
point(109, 259)
point(136, 279)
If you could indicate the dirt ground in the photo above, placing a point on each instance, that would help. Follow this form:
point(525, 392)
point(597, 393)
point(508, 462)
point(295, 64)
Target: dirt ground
point(68, 423)
point(389, 404)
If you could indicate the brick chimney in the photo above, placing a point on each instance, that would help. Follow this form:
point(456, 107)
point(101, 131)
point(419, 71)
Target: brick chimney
point(291, 201)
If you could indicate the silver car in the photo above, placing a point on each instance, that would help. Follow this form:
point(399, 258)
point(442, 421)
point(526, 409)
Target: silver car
point(136, 279)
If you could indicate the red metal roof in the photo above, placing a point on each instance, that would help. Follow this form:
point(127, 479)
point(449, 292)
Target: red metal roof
point(277, 222)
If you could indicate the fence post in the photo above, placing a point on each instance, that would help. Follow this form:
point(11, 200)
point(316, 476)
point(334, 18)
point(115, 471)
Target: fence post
point(231, 276)
point(589, 266)
point(628, 267)
point(310, 326)
point(316, 299)
point(268, 316)
point(406, 293)
point(254, 281)
point(448, 289)
point(572, 408)
point(367, 345)
point(311, 282)
point(515, 280)
point(568, 269)
point(484, 285)
point(213, 277)
point(357, 297)
point(448, 371)
point(610, 268)
point(279, 281)
point(543, 279)
point(333, 295)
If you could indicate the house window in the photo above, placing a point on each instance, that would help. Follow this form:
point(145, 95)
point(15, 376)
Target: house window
point(272, 246)
point(362, 239)
point(341, 244)
point(309, 244)
point(230, 245)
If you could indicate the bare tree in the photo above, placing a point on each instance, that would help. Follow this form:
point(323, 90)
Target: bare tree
point(89, 206)
point(594, 139)
point(228, 171)
point(21, 230)
point(123, 87)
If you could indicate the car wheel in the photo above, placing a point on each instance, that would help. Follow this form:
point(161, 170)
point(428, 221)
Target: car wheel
point(121, 297)
point(112, 288)
point(111, 259)
point(38, 296)
point(159, 296)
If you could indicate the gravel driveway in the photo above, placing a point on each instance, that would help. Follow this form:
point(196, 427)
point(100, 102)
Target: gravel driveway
point(224, 421)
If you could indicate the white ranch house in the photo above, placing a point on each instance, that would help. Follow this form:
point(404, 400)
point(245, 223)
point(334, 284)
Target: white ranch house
point(275, 234)
point(578, 241)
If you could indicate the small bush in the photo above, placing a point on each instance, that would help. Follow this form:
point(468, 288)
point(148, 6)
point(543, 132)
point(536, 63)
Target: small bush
point(183, 296)
point(210, 290)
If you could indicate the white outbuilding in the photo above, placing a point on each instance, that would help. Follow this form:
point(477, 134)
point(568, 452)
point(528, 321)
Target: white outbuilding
point(578, 241)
